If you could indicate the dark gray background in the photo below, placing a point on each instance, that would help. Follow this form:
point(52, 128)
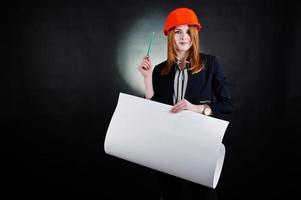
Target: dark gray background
point(60, 84)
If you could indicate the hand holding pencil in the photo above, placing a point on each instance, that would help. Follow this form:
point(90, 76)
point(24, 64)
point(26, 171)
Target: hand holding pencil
point(146, 66)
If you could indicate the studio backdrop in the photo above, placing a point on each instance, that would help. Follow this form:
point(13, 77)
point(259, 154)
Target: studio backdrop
point(64, 64)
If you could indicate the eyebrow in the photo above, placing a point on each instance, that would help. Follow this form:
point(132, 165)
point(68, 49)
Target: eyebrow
point(181, 29)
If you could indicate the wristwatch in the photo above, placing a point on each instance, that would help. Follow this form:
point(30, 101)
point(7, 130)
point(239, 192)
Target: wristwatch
point(207, 111)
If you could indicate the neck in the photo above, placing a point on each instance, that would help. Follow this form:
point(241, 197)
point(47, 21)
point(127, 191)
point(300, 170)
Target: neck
point(182, 55)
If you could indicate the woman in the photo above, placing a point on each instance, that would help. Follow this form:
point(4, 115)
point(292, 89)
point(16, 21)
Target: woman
point(188, 80)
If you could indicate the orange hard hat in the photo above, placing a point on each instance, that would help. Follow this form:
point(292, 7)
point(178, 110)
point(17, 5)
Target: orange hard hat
point(181, 16)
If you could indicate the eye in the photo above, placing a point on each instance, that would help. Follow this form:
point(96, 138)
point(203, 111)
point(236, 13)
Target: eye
point(177, 31)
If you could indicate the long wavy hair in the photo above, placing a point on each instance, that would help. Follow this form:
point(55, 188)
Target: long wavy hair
point(193, 55)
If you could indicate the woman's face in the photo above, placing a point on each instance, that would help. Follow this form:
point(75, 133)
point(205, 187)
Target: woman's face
point(182, 38)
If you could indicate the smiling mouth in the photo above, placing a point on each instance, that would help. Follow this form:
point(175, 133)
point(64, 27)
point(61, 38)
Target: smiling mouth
point(183, 43)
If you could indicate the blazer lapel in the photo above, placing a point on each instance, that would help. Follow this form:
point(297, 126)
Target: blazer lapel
point(189, 84)
point(170, 85)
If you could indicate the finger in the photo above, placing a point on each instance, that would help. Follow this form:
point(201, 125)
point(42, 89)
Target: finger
point(180, 108)
point(181, 103)
point(144, 67)
point(144, 62)
point(147, 65)
point(146, 58)
point(177, 107)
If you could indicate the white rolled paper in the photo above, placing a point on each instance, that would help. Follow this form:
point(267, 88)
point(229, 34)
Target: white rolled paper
point(185, 144)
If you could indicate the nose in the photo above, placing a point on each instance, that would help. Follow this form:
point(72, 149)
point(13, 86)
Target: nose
point(184, 36)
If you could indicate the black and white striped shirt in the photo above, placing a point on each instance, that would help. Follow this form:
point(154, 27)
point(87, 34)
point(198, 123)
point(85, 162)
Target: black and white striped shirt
point(180, 82)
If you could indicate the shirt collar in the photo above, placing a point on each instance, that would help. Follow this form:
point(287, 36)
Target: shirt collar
point(177, 61)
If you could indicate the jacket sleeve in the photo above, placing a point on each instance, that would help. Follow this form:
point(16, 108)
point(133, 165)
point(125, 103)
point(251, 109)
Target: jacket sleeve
point(223, 102)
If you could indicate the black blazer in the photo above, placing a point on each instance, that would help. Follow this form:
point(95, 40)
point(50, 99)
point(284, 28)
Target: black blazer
point(208, 86)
